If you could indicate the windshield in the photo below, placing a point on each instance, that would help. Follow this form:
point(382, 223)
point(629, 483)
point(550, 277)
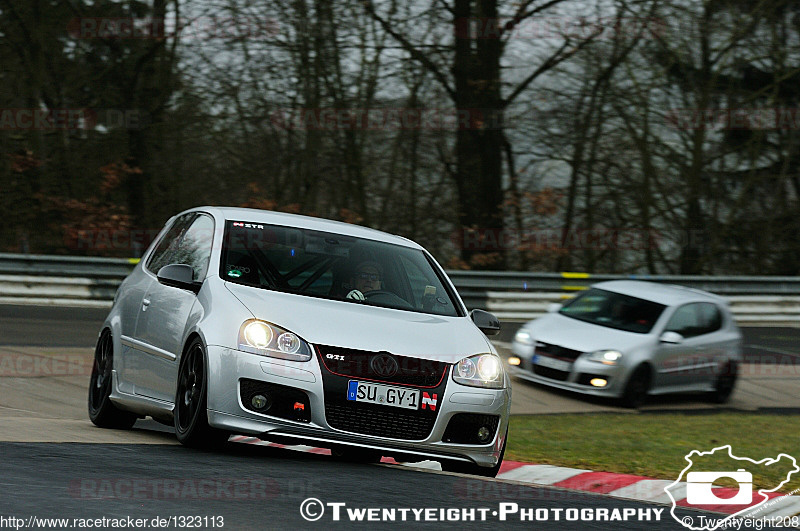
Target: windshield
point(332, 266)
point(614, 310)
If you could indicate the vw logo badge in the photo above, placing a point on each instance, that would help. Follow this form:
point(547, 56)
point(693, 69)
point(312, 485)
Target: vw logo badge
point(384, 365)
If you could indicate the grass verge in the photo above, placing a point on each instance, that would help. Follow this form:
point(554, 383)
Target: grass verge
point(655, 445)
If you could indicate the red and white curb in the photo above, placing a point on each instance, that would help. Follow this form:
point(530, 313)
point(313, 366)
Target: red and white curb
point(625, 486)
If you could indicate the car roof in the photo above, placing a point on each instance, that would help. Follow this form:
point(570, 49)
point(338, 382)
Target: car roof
point(667, 294)
point(270, 217)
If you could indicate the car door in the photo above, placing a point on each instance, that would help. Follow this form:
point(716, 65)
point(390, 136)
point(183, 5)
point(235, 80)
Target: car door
point(713, 343)
point(162, 313)
point(161, 327)
point(130, 306)
point(677, 364)
point(130, 364)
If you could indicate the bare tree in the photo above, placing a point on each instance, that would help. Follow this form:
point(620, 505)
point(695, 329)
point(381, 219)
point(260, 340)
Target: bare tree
point(474, 84)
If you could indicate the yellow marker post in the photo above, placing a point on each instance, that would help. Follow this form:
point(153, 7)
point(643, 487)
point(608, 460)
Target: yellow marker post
point(573, 276)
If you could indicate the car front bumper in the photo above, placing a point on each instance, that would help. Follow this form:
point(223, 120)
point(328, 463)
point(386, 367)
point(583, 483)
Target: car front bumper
point(227, 367)
point(576, 379)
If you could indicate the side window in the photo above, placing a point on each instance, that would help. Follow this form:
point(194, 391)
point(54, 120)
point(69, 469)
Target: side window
point(188, 241)
point(685, 321)
point(416, 279)
point(195, 246)
point(710, 317)
point(427, 292)
point(169, 242)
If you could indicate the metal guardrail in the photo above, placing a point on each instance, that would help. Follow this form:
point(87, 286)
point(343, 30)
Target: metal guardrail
point(66, 266)
point(466, 281)
point(63, 291)
point(773, 310)
point(512, 296)
point(61, 280)
point(530, 281)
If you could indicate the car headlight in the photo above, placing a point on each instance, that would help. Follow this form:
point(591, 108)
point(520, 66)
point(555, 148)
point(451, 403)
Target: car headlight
point(606, 357)
point(524, 337)
point(481, 370)
point(259, 337)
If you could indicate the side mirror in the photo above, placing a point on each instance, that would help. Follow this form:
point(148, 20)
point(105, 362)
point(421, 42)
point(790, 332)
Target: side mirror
point(553, 307)
point(179, 276)
point(488, 323)
point(673, 338)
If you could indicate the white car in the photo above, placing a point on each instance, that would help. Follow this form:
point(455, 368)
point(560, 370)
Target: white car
point(628, 339)
point(302, 330)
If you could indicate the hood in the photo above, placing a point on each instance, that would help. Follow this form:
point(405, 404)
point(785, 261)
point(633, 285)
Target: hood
point(362, 327)
point(571, 333)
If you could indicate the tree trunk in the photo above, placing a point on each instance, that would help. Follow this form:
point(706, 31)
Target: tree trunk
point(479, 139)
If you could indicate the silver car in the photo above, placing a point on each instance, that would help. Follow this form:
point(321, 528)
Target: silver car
point(301, 330)
point(628, 339)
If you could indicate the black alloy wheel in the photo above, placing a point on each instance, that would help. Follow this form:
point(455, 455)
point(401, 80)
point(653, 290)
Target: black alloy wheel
point(726, 381)
point(102, 412)
point(635, 394)
point(191, 412)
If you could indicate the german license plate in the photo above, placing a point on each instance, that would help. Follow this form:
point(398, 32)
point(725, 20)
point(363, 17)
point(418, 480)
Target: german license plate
point(552, 363)
point(385, 395)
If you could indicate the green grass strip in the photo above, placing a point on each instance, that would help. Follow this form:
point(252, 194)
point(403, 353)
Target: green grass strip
point(655, 445)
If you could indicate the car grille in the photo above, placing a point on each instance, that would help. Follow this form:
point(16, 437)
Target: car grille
point(556, 351)
point(362, 364)
point(380, 421)
point(553, 374)
point(340, 366)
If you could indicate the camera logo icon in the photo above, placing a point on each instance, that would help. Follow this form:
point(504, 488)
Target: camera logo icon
point(699, 491)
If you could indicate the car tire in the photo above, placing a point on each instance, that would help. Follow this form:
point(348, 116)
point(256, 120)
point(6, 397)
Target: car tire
point(102, 412)
point(191, 399)
point(356, 455)
point(476, 470)
point(635, 393)
point(726, 381)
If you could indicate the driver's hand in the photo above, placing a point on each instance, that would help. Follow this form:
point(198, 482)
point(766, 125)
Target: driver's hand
point(356, 295)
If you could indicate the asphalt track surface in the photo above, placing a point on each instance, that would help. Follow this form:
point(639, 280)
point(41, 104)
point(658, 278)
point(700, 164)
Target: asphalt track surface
point(263, 488)
point(89, 473)
point(50, 326)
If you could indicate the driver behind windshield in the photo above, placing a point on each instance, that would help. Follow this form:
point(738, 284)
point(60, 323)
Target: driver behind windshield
point(366, 277)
